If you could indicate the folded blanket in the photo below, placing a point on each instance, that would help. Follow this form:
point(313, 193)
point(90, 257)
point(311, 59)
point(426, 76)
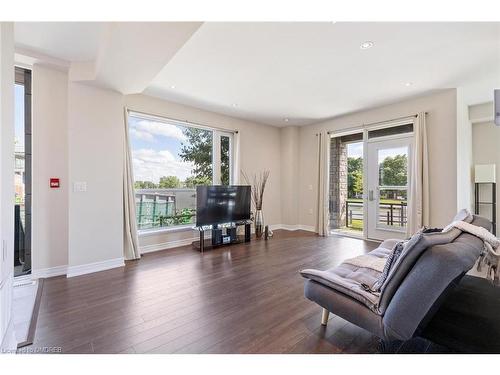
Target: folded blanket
point(390, 262)
point(491, 254)
point(368, 261)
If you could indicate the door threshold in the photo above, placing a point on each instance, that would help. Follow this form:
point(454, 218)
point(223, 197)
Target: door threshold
point(22, 280)
point(347, 234)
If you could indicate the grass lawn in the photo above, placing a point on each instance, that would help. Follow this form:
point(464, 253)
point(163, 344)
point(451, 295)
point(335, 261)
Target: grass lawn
point(356, 224)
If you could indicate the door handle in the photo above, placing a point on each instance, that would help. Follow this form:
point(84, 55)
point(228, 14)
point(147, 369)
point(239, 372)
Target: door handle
point(370, 195)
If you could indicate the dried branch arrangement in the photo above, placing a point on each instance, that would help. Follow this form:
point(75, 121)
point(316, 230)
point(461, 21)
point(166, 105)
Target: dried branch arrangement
point(258, 183)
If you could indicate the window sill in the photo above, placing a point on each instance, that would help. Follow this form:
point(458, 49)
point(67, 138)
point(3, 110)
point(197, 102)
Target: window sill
point(156, 231)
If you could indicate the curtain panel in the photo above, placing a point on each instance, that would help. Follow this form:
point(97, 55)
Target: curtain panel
point(418, 208)
point(323, 148)
point(131, 239)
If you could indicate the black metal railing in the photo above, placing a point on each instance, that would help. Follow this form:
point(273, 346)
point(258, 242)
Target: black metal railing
point(19, 237)
point(391, 214)
point(156, 209)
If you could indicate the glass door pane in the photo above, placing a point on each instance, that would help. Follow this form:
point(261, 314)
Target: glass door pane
point(392, 187)
point(387, 185)
point(346, 169)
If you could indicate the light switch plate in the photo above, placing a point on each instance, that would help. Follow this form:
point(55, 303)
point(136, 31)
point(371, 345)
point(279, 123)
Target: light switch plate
point(79, 186)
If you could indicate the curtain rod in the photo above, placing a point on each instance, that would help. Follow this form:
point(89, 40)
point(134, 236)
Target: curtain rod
point(129, 110)
point(380, 122)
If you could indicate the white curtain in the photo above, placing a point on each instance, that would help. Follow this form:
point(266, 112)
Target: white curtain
point(323, 161)
point(418, 208)
point(131, 240)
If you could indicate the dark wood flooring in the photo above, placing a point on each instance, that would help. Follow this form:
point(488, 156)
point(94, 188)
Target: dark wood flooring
point(246, 298)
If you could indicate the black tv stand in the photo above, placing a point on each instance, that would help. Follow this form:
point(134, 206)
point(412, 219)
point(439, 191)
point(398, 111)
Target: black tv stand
point(202, 245)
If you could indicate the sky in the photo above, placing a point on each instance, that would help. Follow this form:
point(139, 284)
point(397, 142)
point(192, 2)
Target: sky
point(19, 117)
point(383, 153)
point(355, 150)
point(155, 150)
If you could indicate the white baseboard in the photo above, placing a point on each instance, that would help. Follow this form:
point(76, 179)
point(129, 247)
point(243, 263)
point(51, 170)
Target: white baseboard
point(94, 267)
point(293, 227)
point(49, 272)
point(168, 245)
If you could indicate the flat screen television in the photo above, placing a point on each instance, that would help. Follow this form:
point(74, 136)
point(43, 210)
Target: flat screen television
point(222, 204)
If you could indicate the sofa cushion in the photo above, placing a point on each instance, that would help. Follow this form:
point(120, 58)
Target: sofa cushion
point(344, 306)
point(418, 296)
point(414, 249)
point(357, 281)
point(408, 259)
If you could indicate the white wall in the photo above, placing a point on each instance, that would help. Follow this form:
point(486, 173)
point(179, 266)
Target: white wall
point(95, 144)
point(50, 159)
point(442, 131)
point(464, 152)
point(290, 158)
point(259, 150)
point(78, 137)
point(7, 178)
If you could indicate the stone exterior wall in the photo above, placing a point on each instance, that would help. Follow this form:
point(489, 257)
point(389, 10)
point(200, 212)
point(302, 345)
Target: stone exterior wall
point(338, 183)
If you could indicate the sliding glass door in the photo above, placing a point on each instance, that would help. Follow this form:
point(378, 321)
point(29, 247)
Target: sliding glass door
point(346, 184)
point(369, 176)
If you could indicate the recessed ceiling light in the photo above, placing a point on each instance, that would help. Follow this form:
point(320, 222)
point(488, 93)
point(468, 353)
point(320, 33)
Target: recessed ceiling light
point(172, 87)
point(408, 84)
point(286, 119)
point(366, 45)
point(234, 105)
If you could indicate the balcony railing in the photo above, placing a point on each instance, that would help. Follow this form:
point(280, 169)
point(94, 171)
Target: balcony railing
point(157, 208)
point(391, 214)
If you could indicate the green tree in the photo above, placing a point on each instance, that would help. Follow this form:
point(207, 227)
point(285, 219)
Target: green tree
point(224, 173)
point(169, 182)
point(191, 182)
point(145, 185)
point(354, 176)
point(198, 150)
point(357, 186)
point(393, 171)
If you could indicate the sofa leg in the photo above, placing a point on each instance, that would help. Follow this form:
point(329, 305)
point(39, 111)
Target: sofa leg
point(324, 317)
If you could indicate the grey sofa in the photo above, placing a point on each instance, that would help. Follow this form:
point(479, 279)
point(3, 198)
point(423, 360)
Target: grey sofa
point(411, 294)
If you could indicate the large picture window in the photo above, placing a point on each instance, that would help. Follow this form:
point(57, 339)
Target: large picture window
point(170, 158)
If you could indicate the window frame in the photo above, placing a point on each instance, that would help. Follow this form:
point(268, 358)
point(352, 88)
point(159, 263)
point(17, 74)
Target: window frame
point(217, 133)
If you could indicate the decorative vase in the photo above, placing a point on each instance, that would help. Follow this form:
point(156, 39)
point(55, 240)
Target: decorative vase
point(259, 223)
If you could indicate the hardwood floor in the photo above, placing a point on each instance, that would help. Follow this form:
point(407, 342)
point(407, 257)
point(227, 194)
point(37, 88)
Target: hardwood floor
point(246, 298)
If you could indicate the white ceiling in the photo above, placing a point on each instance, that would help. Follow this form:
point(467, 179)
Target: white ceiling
point(70, 41)
point(304, 72)
point(311, 71)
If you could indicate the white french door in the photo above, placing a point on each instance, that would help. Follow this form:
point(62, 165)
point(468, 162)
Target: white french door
point(388, 176)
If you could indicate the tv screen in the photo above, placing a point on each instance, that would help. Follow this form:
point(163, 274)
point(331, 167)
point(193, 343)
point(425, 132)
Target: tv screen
point(222, 204)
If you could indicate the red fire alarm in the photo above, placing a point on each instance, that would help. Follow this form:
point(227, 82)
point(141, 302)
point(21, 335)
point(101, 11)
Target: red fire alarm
point(54, 183)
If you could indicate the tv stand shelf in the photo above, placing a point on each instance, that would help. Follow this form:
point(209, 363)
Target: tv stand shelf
point(208, 245)
point(203, 245)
